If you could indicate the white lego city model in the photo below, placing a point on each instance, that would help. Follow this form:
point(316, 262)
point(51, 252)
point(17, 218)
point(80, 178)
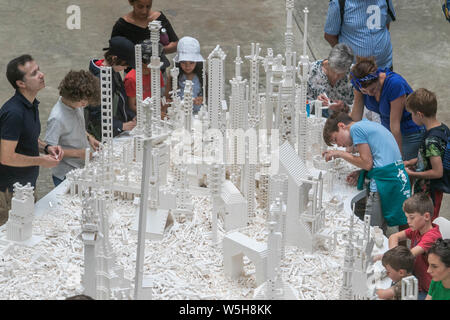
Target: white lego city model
point(275, 204)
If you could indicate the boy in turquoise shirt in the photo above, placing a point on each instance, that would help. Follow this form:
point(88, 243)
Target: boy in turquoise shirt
point(379, 157)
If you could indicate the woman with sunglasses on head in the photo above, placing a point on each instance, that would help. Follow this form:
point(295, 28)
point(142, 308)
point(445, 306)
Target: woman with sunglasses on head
point(384, 92)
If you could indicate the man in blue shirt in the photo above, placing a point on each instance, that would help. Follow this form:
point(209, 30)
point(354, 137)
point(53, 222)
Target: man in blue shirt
point(364, 27)
point(19, 132)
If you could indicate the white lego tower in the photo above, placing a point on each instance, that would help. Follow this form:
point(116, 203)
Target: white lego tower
point(253, 104)
point(107, 125)
point(216, 87)
point(155, 66)
point(143, 290)
point(270, 98)
point(90, 236)
point(111, 283)
point(238, 114)
point(274, 288)
point(303, 74)
point(19, 227)
point(188, 105)
point(215, 180)
point(288, 114)
point(140, 113)
point(346, 292)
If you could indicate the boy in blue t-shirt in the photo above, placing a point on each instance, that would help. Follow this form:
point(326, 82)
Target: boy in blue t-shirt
point(379, 157)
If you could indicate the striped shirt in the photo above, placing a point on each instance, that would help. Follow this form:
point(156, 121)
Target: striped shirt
point(363, 29)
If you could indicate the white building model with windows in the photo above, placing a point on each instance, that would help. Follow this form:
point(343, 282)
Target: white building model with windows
point(19, 227)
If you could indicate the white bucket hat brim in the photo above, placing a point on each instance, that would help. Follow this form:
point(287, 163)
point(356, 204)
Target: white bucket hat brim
point(188, 49)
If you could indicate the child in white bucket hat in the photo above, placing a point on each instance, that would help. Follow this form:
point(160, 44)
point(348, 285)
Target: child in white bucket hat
point(190, 64)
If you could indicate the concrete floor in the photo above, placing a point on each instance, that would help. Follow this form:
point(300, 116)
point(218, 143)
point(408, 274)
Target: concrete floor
point(420, 37)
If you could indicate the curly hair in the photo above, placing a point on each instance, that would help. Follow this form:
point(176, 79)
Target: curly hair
point(80, 85)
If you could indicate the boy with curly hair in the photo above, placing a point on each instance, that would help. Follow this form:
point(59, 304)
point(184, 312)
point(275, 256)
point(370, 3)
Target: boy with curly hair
point(66, 125)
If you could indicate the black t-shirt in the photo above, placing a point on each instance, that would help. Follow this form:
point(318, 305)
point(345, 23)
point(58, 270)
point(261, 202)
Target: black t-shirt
point(137, 34)
point(19, 121)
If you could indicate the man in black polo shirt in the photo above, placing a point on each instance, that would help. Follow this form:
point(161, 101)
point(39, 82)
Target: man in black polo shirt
point(19, 132)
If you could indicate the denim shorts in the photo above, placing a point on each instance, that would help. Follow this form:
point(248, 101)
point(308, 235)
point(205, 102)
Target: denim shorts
point(411, 143)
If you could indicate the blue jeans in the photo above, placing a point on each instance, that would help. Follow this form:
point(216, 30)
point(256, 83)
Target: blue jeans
point(410, 144)
point(196, 109)
point(57, 181)
point(422, 295)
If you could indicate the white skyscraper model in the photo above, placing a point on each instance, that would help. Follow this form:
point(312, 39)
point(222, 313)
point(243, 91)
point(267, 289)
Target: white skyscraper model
point(253, 104)
point(188, 105)
point(215, 180)
point(288, 114)
point(274, 288)
point(270, 98)
point(141, 290)
point(303, 74)
point(90, 235)
point(155, 66)
point(216, 88)
point(140, 113)
point(107, 125)
point(19, 227)
point(238, 113)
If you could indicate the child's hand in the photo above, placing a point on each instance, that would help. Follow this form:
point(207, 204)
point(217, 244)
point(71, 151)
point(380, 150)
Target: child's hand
point(127, 126)
point(94, 143)
point(352, 178)
point(331, 154)
point(198, 101)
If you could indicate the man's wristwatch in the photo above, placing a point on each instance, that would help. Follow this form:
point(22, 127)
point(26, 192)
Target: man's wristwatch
point(46, 149)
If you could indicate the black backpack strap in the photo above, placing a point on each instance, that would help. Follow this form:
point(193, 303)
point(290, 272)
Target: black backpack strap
point(444, 135)
point(390, 11)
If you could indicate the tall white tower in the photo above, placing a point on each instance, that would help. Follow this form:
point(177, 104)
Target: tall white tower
point(140, 114)
point(303, 74)
point(216, 87)
point(107, 125)
point(155, 66)
point(90, 236)
point(188, 105)
point(238, 113)
point(253, 106)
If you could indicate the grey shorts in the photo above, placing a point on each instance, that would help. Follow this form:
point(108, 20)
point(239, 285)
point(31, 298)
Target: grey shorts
point(373, 209)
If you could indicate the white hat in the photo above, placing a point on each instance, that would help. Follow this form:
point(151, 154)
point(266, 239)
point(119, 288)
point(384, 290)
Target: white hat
point(188, 49)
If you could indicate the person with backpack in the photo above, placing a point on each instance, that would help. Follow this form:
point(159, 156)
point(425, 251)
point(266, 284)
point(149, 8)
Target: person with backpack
point(362, 25)
point(427, 169)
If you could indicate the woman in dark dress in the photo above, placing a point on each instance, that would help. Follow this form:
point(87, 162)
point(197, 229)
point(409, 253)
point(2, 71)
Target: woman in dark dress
point(134, 25)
